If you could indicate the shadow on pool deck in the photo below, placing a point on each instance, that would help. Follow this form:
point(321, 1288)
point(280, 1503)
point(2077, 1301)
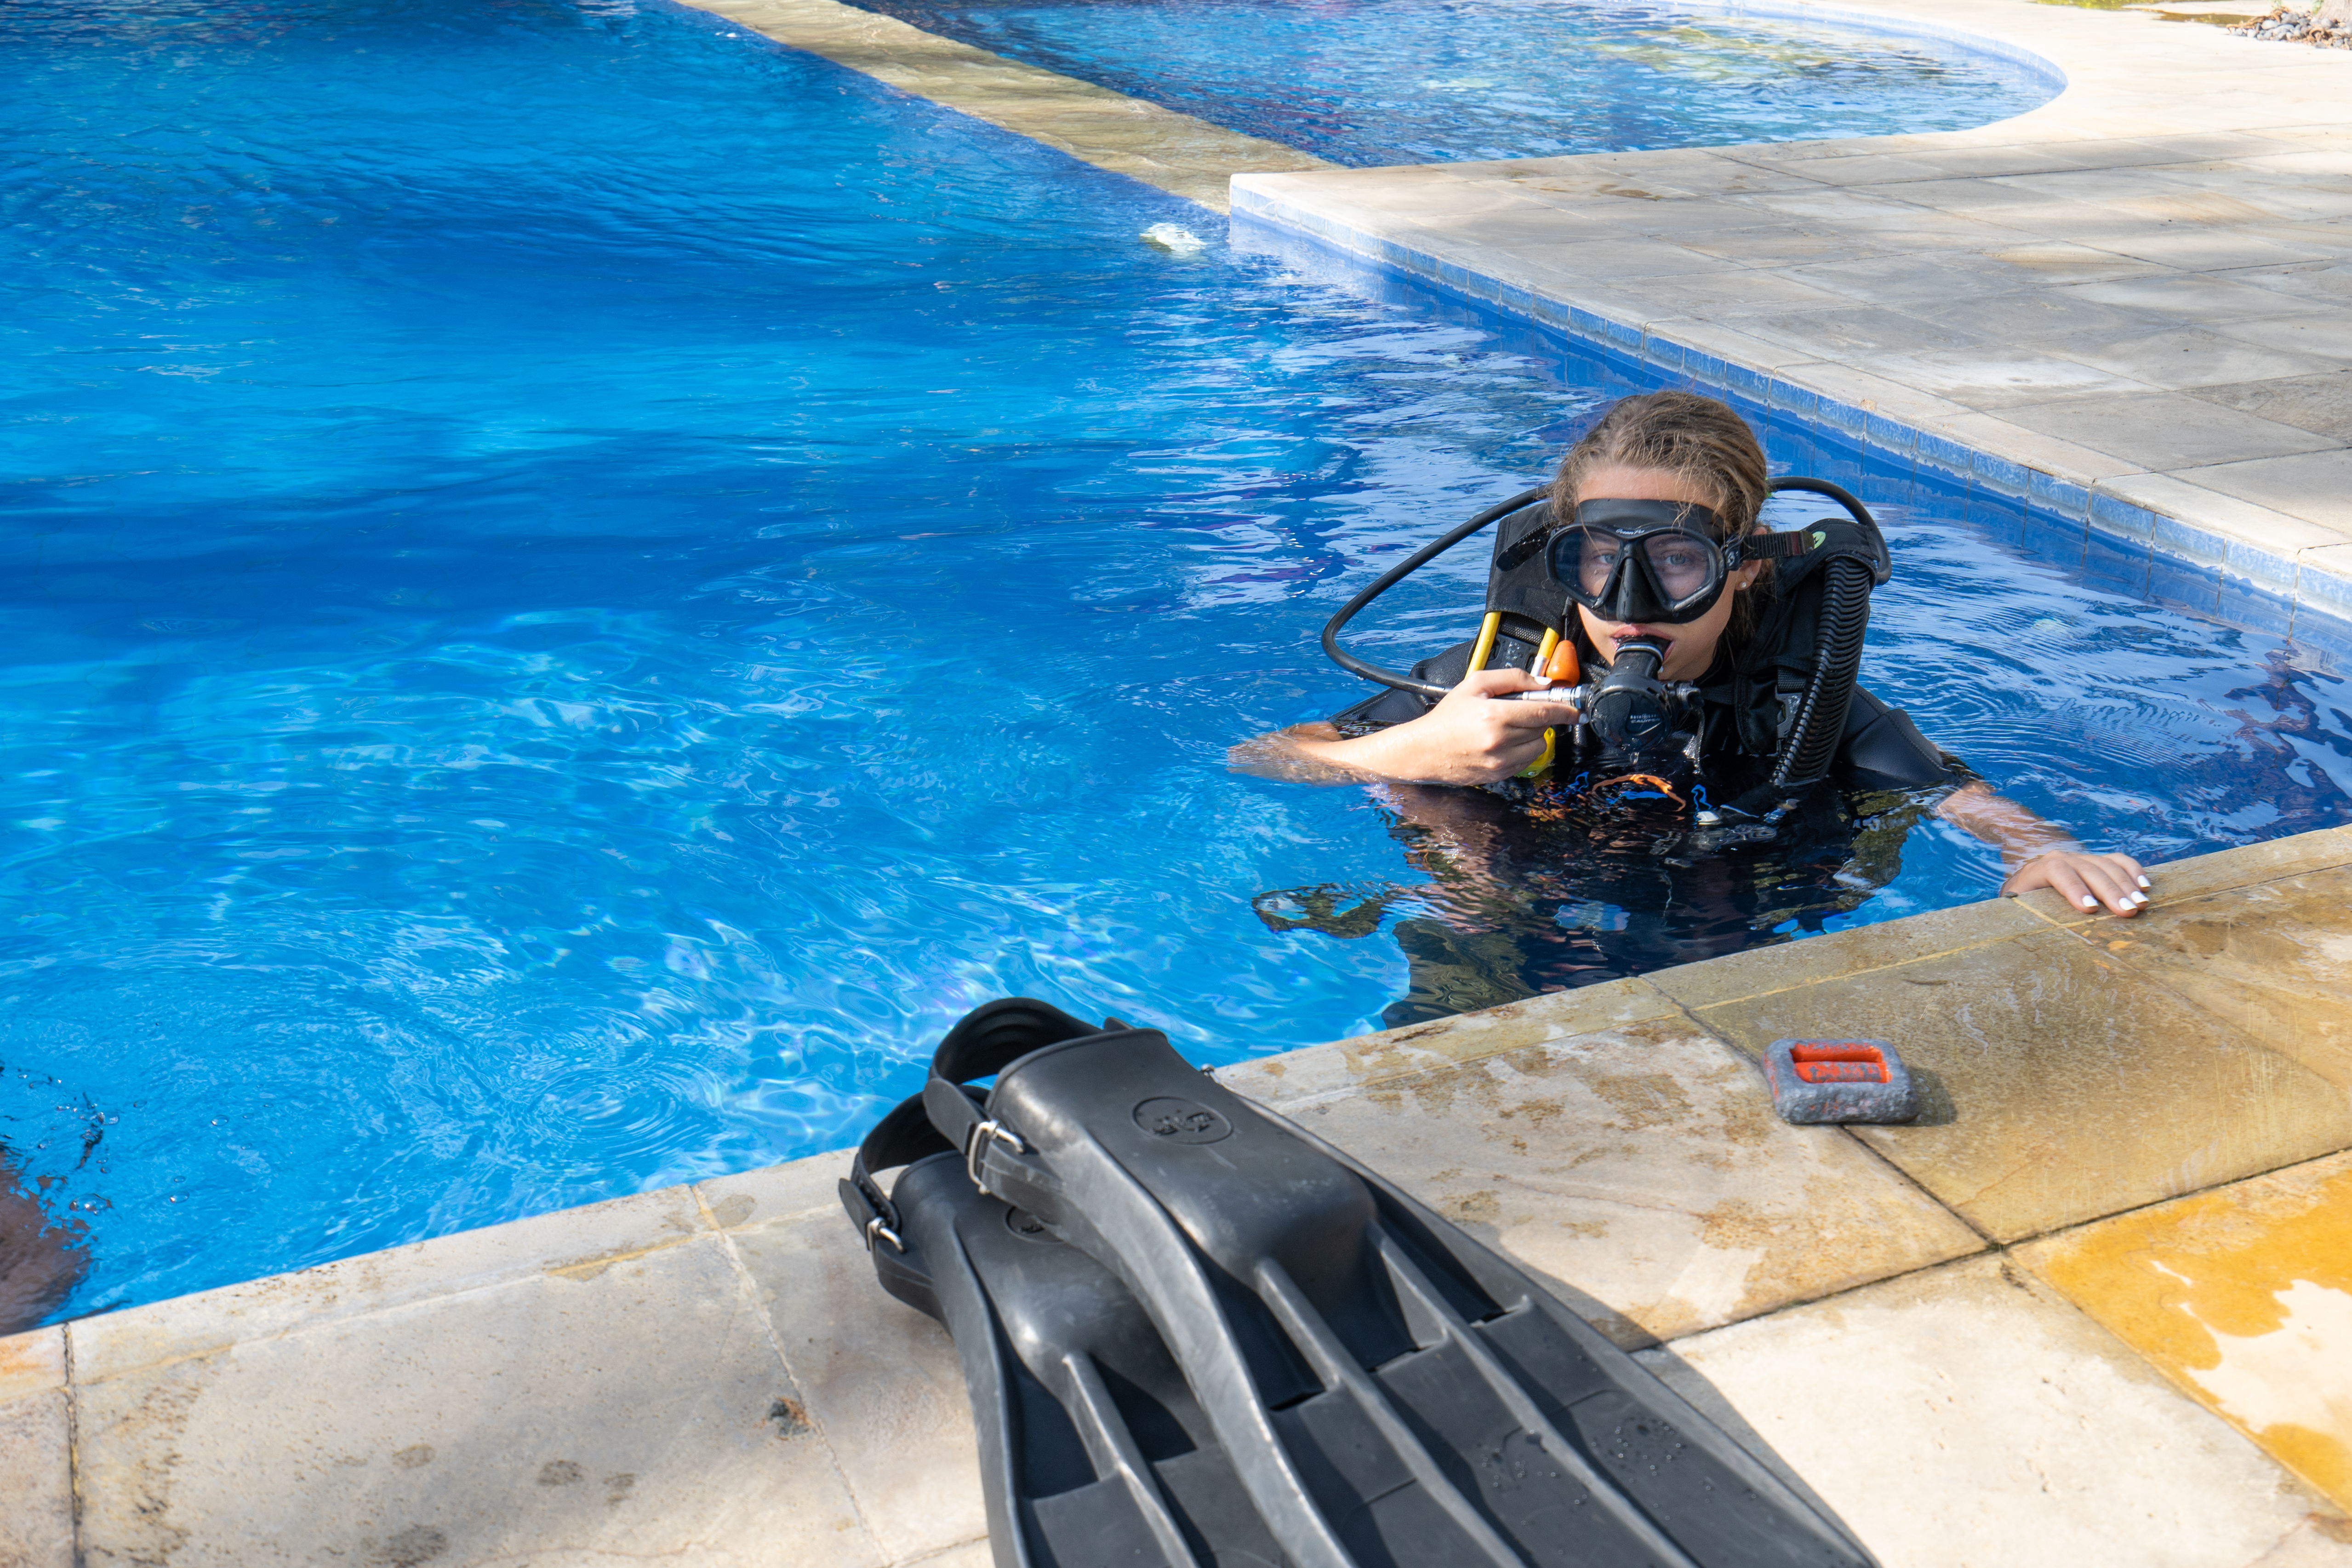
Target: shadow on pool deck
point(2100, 1311)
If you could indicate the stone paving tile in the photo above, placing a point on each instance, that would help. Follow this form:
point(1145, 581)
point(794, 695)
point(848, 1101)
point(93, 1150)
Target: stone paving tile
point(1867, 327)
point(1176, 152)
point(1762, 970)
point(1641, 1169)
point(2190, 297)
point(2164, 430)
point(36, 1463)
point(2000, 376)
point(2244, 1297)
point(576, 1241)
point(32, 1362)
point(2059, 1085)
point(2189, 356)
point(2316, 486)
point(1968, 1417)
point(1292, 1079)
point(2272, 961)
point(638, 1414)
point(774, 1192)
point(2302, 334)
point(878, 1379)
point(2320, 403)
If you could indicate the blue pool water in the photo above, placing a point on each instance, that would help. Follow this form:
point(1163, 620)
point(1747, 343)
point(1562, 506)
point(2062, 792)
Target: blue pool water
point(578, 585)
point(1367, 82)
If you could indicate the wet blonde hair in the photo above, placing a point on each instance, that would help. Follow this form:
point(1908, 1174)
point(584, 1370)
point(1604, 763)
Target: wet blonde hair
point(1700, 441)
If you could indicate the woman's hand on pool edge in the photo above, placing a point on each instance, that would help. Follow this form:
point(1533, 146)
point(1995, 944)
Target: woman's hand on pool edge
point(1469, 737)
point(2084, 880)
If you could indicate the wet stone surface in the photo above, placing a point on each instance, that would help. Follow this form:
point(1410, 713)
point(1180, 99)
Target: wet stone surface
point(2058, 1085)
point(2242, 1296)
point(1643, 1166)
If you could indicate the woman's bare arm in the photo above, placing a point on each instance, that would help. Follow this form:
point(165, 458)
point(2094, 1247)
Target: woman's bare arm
point(1479, 734)
point(2040, 853)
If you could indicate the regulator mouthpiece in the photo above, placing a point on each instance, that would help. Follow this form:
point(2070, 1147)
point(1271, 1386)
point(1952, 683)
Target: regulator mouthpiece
point(1630, 708)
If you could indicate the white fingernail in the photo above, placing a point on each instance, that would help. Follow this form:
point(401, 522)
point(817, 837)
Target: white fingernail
point(2139, 898)
point(2144, 882)
point(2090, 902)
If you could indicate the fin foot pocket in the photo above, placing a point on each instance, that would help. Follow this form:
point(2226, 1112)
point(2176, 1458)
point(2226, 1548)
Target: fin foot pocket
point(1384, 1388)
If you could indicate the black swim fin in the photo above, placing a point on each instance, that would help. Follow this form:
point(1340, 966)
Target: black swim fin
point(1393, 1394)
point(1092, 1449)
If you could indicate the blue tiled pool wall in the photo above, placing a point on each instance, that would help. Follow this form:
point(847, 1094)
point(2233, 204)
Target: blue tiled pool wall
point(2103, 537)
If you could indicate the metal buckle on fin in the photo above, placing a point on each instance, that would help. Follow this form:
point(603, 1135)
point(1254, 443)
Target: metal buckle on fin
point(874, 1228)
point(977, 1145)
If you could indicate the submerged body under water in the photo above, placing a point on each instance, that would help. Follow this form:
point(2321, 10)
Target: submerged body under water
point(1597, 874)
point(579, 585)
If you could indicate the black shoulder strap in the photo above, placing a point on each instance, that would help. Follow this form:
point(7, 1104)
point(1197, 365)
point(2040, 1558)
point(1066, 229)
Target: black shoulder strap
point(1805, 549)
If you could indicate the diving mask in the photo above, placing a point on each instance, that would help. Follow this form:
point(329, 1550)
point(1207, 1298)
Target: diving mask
point(1657, 563)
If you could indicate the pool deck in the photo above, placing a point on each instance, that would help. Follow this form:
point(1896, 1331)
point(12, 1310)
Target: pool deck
point(2130, 308)
point(2095, 1308)
point(1178, 154)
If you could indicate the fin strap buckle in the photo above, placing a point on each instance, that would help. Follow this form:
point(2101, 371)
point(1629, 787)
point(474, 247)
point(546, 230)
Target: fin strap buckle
point(975, 1148)
point(874, 1228)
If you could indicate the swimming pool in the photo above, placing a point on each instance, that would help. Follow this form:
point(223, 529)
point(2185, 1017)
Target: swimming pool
point(1367, 82)
point(581, 584)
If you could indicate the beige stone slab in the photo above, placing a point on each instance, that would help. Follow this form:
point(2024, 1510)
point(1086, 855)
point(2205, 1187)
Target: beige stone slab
point(1642, 1165)
point(1968, 1417)
point(2274, 961)
point(638, 1415)
point(2316, 486)
point(1998, 376)
point(32, 1362)
point(2242, 1296)
point(2189, 356)
point(2321, 404)
point(2164, 430)
point(2058, 1085)
point(1294, 1078)
point(1869, 328)
point(1760, 971)
point(1177, 153)
point(37, 1527)
point(577, 1242)
point(2190, 297)
point(878, 1379)
point(775, 1192)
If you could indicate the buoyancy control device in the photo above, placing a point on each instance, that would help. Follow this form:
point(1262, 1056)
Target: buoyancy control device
point(1793, 679)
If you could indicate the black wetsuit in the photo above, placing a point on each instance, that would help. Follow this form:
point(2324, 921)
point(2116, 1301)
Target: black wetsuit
point(1596, 869)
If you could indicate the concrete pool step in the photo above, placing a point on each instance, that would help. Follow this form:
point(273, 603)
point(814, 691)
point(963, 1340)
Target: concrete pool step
point(2130, 308)
point(1174, 152)
point(2095, 1308)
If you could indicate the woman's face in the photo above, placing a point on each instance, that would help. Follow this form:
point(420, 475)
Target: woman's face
point(1690, 646)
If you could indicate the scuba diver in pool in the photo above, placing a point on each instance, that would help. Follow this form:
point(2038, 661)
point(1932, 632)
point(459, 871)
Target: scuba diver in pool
point(1662, 707)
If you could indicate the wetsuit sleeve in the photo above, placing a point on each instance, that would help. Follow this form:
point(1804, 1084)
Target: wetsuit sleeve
point(1389, 706)
point(1885, 750)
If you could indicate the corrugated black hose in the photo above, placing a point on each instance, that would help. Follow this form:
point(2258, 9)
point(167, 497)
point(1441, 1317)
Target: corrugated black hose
point(1812, 743)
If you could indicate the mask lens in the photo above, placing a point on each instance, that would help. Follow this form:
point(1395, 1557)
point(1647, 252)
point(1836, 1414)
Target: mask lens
point(1596, 557)
point(1682, 565)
